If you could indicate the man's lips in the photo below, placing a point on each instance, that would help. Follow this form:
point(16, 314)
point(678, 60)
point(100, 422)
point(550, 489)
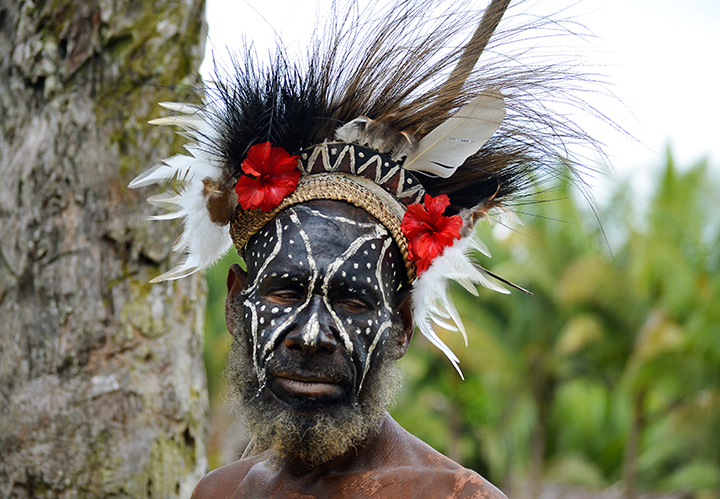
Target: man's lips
point(308, 386)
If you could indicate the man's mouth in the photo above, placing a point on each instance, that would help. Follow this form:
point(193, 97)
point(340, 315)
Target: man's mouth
point(306, 386)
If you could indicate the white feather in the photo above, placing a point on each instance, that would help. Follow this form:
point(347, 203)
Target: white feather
point(179, 167)
point(447, 147)
point(431, 300)
point(203, 241)
point(192, 121)
point(180, 107)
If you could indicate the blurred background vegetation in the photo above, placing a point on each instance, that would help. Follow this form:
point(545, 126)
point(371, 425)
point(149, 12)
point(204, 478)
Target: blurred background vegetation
point(608, 378)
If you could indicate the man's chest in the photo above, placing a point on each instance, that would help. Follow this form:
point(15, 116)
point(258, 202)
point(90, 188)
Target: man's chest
point(361, 485)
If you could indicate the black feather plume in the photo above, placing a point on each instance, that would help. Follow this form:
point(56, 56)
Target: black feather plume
point(394, 64)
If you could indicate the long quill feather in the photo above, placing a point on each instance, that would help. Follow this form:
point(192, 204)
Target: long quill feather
point(447, 147)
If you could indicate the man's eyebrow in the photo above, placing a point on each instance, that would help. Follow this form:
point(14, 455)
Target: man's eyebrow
point(359, 288)
point(281, 276)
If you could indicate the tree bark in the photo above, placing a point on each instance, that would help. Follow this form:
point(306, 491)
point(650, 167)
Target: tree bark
point(102, 385)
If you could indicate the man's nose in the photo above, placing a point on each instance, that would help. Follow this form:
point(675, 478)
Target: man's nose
point(316, 335)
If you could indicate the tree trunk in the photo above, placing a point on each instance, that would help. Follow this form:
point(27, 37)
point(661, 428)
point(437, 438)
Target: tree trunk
point(632, 446)
point(102, 385)
point(544, 394)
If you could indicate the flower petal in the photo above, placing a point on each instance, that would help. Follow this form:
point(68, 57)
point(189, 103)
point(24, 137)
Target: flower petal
point(428, 231)
point(257, 159)
point(276, 177)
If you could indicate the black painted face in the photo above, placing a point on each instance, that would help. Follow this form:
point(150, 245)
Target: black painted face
point(320, 303)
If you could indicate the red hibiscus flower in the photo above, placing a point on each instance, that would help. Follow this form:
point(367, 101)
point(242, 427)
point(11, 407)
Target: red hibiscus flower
point(428, 230)
point(274, 177)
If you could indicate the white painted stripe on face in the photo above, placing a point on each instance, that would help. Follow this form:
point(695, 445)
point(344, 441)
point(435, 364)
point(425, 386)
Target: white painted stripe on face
point(332, 270)
point(276, 331)
point(385, 325)
point(311, 285)
point(365, 225)
point(271, 257)
point(378, 271)
point(385, 306)
point(254, 332)
point(311, 331)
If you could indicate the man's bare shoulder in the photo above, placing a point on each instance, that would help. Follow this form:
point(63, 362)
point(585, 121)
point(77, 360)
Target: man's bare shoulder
point(222, 482)
point(408, 482)
point(417, 470)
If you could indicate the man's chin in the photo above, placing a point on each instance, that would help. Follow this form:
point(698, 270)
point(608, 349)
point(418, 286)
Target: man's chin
point(313, 431)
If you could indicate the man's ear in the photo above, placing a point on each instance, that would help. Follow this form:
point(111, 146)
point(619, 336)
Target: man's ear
point(236, 281)
point(405, 336)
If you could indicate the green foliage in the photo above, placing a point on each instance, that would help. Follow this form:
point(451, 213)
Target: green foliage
point(600, 333)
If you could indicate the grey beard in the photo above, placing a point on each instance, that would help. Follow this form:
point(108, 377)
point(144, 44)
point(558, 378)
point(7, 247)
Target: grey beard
point(314, 438)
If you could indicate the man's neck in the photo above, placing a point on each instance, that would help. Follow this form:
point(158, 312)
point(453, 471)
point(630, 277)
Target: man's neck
point(362, 455)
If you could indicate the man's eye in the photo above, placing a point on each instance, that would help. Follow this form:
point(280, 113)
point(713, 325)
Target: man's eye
point(352, 306)
point(284, 296)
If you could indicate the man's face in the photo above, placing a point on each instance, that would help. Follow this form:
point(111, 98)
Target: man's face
point(317, 329)
point(320, 303)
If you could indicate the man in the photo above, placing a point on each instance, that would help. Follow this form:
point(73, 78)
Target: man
point(350, 183)
point(324, 317)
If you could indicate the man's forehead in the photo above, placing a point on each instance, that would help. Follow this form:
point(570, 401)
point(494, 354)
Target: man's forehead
point(322, 233)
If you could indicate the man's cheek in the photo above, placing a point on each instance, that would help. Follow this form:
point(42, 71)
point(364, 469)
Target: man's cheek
point(362, 341)
point(376, 331)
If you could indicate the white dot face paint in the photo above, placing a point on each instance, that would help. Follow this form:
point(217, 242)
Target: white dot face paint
point(308, 293)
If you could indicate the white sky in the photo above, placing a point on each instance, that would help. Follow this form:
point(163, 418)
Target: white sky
point(662, 58)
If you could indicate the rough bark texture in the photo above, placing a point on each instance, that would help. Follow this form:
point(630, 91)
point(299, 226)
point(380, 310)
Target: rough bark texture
point(102, 386)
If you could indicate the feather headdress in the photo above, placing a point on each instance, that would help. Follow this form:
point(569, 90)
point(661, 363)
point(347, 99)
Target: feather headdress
point(387, 106)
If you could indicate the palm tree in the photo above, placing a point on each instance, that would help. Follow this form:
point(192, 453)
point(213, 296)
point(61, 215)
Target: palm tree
point(674, 267)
